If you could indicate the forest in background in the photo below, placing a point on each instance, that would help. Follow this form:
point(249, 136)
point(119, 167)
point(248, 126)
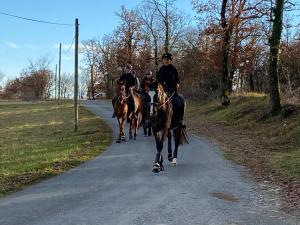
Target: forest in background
point(231, 46)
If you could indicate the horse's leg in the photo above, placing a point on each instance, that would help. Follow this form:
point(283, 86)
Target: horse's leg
point(120, 130)
point(135, 129)
point(149, 130)
point(130, 128)
point(158, 158)
point(170, 157)
point(123, 128)
point(177, 132)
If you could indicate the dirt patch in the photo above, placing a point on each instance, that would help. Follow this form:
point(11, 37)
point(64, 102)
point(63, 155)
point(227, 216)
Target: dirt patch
point(225, 196)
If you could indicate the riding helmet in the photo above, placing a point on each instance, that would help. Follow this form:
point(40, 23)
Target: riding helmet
point(167, 56)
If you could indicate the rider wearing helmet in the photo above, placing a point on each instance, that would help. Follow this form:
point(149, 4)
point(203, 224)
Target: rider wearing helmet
point(131, 81)
point(167, 75)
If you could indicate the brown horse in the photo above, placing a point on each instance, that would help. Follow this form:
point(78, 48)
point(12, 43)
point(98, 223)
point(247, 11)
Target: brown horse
point(121, 110)
point(167, 116)
point(136, 115)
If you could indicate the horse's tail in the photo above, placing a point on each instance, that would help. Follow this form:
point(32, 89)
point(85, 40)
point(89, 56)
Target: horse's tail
point(183, 137)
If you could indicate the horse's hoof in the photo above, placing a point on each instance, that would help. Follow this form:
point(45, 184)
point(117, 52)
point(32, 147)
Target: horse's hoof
point(174, 161)
point(119, 141)
point(134, 138)
point(123, 138)
point(170, 158)
point(130, 137)
point(156, 168)
point(162, 168)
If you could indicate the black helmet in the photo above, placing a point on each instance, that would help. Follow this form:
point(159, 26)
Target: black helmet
point(167, 56)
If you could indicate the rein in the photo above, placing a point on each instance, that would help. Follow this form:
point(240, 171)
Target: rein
point(166, 101)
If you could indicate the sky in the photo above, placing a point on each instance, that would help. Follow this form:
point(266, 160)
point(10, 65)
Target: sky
point(21, 40)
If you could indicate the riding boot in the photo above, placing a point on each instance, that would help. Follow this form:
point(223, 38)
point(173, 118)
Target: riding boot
point(113, 103)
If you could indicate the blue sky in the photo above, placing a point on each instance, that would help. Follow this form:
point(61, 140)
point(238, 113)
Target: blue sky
point(22, 40)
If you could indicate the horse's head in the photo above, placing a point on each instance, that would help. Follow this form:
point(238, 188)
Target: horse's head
point(161, 94)
point(157, 100)
point(122, 92)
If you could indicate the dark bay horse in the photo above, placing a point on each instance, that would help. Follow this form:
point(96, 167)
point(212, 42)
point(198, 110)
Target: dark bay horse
point(121, 110)
point(147, 98)
point(167, 116)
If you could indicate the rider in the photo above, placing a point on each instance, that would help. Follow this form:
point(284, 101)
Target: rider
point(131, 81)
point(167, 75)
point(146, 84)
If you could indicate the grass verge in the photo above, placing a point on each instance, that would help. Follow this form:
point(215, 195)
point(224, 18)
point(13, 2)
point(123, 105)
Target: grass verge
point(269, 147)
point(37, 141)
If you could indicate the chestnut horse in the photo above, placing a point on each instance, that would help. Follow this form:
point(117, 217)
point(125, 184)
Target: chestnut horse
point(121, 110)
point(136, 115)
point(165, 117)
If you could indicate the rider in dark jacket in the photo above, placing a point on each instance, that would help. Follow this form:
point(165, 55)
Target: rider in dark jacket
point(167, 75)
point(130, 82)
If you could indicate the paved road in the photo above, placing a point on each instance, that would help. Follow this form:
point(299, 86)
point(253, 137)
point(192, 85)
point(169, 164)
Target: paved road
point(118, 188)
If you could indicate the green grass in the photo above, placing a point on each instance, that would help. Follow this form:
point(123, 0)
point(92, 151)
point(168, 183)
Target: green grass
point(248, 139)
point(37, 141)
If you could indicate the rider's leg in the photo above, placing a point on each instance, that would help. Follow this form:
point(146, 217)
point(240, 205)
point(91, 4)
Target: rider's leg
point(113, 103)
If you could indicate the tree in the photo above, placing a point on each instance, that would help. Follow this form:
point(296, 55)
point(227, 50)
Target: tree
point(128, 33)
point(274, 101)
point(163, 7)
point(89, 52)
point(35, 79)
point(66, 85)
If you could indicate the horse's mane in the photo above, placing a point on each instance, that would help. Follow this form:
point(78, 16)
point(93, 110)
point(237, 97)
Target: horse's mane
point(161, 94)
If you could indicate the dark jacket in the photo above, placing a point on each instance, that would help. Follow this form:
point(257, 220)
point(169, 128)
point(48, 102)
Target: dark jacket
point(129, 79)
point(167, 76)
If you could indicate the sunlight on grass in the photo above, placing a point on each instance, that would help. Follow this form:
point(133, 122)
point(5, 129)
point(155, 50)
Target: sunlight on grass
point(277, 137)
point(37, 140)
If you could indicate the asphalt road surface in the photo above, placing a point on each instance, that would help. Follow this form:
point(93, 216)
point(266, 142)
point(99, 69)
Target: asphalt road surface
point(118, 188)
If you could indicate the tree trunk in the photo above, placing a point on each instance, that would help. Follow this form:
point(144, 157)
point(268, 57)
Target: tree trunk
point(167, 36)
point(224, 99)
point(156, 54)
point(92, 82)
point(167, 29)
point(251, 82)
point(274, 101)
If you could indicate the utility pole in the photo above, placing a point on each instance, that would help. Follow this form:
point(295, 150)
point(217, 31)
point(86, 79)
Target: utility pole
point(55, 81)
point(76, 77)
point(59, 68)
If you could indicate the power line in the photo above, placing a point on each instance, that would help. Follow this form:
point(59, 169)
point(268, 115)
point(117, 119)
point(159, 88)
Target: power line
point(66, 52)
point(34, 20)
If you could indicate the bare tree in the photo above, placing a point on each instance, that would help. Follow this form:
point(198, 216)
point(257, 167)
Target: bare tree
point(89, 52)
point(163, 7)
point(66, 85)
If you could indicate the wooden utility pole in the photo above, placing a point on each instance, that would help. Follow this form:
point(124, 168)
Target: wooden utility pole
point(55, 81)
point(76, 77)
point(59, 68)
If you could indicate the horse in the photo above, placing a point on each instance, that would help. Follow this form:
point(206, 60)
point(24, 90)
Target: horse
point(147, 96)
point(121, 110)
point(167, 116)
point(136, 115)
